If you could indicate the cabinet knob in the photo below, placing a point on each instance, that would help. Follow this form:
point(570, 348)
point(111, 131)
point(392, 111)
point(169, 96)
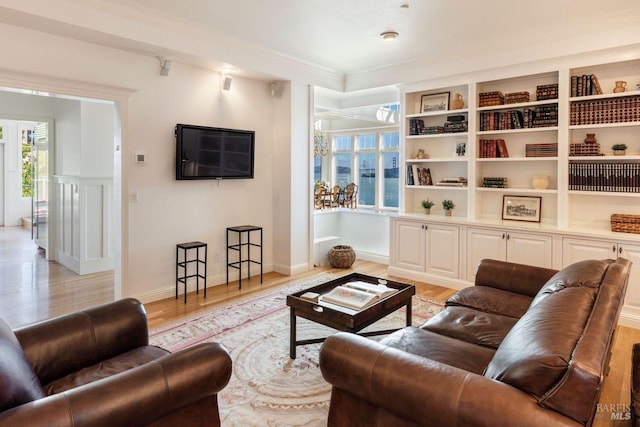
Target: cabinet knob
point(504, 235)
point(613, 248)
point(619, 249)
point(508, 236)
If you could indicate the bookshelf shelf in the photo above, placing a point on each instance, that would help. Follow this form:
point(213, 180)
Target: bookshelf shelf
point(439, 160)
point(507, 131)
point(517, 159)
point(442, 113)
point(518, 190)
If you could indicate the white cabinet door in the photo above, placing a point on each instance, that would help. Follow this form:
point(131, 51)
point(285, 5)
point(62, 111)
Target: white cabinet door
point(409, 245)
point(442, 250)
point(532, 249)
point(522, 248)
point(483, 243)
point(574, 250)
point(632, 253)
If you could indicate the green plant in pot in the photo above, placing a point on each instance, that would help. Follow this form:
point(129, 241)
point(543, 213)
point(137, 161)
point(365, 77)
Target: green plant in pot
point(448, 205)
point(619, 149)
point(427, 204)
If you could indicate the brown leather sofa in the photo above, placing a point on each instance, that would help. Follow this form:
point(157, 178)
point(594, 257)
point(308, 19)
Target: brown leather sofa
point(96, 368)
point(525, 346)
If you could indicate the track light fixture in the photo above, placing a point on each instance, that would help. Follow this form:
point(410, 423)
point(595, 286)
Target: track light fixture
point(165, 66)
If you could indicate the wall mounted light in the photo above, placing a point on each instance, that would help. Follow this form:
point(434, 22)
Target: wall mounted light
point(276, 89)
point(165, 66)
point(225, 82)
point(225, 78)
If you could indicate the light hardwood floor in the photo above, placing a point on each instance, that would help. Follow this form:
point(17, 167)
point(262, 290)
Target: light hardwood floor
point(33, 289)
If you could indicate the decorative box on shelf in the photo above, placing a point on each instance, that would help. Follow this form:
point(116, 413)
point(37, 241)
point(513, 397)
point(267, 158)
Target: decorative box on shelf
point(625, 223)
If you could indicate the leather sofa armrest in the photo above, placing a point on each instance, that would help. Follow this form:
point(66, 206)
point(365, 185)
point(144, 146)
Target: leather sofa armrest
point(59, 346)
point(420, 390)
point(509, 276)
point(135, 397)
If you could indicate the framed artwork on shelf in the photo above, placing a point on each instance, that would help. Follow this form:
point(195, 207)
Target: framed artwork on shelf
point(461, 149)
point(434, 102)
point(521, 208)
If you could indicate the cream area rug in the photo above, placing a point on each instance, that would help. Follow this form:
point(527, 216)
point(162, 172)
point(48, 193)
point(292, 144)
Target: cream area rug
point(267, 388)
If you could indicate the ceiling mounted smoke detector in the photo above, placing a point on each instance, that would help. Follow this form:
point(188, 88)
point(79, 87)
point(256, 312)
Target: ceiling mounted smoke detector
point(389, 35)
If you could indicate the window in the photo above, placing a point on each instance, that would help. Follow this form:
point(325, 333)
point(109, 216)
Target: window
point(343, 158)
point(371, 159)
point(27, 162)
point(391, 169)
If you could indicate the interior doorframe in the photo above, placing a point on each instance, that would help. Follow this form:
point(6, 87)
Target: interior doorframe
point(120, 96)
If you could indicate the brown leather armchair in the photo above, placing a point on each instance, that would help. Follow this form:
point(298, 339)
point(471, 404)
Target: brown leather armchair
point(96, 368)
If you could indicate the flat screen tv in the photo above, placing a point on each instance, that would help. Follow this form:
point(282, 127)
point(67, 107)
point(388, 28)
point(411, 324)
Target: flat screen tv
point(213, 153)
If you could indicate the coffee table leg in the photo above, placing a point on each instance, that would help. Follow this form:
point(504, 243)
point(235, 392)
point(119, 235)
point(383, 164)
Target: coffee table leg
point(292, 335)
point(409, 316)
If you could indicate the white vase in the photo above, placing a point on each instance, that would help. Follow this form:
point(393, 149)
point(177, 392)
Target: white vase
point(540, 182)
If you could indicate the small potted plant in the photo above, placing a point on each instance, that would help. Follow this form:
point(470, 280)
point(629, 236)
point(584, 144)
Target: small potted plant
point(427, 204)
point(448, 205)
point(619, 149)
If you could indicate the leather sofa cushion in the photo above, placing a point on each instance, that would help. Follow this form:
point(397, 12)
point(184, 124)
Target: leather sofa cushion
point(491, 300)
point(588, 274)
point(450, 351)
point(18, 382)
point(470, 325)
point(107, 368)
point(536, 353)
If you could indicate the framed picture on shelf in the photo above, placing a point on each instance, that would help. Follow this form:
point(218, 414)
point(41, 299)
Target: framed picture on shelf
point(521, 208)
point(461, 149)
point(434, 102)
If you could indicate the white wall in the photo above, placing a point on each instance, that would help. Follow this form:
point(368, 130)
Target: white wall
point(168, 211)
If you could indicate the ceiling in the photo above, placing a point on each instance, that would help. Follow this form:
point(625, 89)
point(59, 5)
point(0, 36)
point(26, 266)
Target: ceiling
point(336, 43)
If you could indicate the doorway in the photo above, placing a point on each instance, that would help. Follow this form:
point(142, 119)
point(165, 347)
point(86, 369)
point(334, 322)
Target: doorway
point(66, 140)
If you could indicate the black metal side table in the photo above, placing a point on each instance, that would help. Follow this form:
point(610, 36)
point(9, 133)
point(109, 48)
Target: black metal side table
point(237, 247)
point(184, 264)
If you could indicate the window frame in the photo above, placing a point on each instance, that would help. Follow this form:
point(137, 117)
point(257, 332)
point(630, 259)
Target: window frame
point(355, 151)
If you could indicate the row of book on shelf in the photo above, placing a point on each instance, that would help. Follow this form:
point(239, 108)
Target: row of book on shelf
point(455, 124)
point(495, 182)
point(355, 295)
point(540, 116)
point(493, 148)
point(585, 85)
point(418, 175)
point(615, 110)
point(493, 98)
point(497, 148)
point(604, 176)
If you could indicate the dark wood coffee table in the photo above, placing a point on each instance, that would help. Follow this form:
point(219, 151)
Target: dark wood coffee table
point(342, 318)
